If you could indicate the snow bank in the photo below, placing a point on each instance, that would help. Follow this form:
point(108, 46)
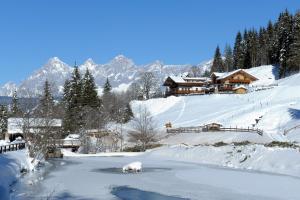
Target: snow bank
point(3, 142)
point(11, 164)
point(214, 137)
point(68, 153)
point(252, 157)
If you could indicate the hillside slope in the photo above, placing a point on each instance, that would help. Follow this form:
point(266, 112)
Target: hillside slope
point(277, 106)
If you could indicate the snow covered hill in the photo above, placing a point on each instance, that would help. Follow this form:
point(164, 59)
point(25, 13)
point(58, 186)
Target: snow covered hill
point(277, 106)
point(121, 71)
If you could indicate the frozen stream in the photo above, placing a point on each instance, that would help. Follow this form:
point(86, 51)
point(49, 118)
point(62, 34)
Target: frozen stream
point(101, 178)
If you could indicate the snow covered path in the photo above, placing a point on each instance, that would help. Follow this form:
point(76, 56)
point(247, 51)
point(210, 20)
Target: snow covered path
point(95, 178)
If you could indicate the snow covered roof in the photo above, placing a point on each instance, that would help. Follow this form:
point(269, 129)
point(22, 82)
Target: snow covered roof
point(218, 74)
point(72, 137)
point(240, 87)
point(15, 125)
point(179, 79)
point(227, 74)
point(197, 78)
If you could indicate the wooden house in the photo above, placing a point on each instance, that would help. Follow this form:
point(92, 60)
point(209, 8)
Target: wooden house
point(227, 82)
point(186, 85)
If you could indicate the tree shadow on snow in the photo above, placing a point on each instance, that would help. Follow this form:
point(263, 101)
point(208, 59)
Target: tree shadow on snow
point(275, 71)
point(294, 113)
point(68, 196)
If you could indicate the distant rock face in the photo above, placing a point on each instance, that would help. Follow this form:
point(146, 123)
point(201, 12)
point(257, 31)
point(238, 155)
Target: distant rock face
point(121, 71)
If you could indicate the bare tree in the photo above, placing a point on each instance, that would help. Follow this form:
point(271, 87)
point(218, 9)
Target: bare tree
point(195, 71)
point(148, 84)
point(144, 129)
point(134, 91)
point(40, 129)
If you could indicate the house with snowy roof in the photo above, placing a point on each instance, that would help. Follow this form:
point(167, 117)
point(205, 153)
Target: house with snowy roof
point(178, 85)
point(229, 82)
point(235, 81)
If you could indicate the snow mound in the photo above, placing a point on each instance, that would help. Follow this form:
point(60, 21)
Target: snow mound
point(133, 167)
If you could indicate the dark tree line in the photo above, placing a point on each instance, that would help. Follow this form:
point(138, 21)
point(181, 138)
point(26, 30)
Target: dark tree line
point(276, 44)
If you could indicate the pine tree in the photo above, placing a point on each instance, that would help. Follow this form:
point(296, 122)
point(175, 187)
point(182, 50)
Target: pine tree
point(284, 34)
point(262, 54)
point(253, 47)
point(3, 120)
point(127, 114)
point(73, 119)
point(89, 91)
point(238, 60)
point(294, 54)
point(228, 62)
point(15, 107)
point(107, 87)
point(67, 120)
point(47, 102)
point(218, 65)
point(109, 101)
point(246, 48)
point(270, 44)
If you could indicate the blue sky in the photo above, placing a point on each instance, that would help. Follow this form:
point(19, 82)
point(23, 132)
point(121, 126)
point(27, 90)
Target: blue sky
point(173, 31)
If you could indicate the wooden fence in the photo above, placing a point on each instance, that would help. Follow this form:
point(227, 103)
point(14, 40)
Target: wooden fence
point(199, 129)
point(12, 147)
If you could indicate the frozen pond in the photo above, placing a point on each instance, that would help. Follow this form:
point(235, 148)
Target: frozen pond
point(92, 178)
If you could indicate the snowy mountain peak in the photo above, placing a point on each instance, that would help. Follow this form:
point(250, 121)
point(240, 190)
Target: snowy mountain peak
point(55, 64)
point(54, 60)
point(120, 71)
point(120, 57)
point(121, 61)
point(8, 89)
point(89, 62)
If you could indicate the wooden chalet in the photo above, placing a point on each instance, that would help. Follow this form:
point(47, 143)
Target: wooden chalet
point(229, 82)
point(186, 85)
point(234, 81)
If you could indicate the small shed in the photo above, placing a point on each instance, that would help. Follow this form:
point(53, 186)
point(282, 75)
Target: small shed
point(213, 127)
point(240, 90)
point(168, 125)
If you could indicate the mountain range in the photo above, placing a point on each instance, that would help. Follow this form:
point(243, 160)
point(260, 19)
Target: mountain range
point(121, 72)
